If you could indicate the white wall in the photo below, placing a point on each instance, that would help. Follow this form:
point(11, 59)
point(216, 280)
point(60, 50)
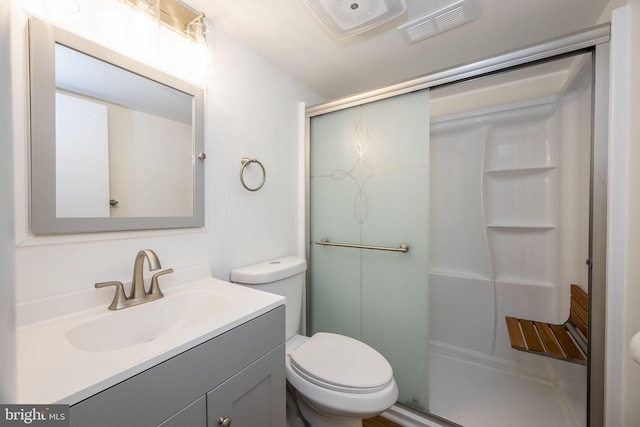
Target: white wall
point(630, 371)
point(252, 110)
point(623, 270)
point(7, 323)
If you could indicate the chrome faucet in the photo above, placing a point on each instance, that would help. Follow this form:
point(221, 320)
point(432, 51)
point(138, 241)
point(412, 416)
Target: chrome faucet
point(137, 283)
point(138, 293)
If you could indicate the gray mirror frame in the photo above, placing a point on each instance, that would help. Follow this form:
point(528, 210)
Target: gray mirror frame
point(42, 41)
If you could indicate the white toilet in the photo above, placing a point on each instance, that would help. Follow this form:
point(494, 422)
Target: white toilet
point(338, 380)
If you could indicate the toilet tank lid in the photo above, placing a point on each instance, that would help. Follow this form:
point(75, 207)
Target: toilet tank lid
point(269, 271)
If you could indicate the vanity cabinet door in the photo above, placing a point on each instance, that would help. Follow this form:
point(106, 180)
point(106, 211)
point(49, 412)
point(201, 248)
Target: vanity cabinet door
point(194, 415)
point(255, 397)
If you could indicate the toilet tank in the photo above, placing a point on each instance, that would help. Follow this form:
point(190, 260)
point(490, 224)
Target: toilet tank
point(282, 276)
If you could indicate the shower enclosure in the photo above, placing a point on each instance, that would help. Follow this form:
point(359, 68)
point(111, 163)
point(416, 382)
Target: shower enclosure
point(509, 234)
point(370, 186)
point(439, 206)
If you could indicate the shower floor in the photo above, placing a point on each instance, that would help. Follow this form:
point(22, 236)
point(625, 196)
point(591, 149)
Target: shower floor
point(475, 396)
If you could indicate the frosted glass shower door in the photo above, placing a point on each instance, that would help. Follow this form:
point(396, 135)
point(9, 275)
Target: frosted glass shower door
point(369, 172)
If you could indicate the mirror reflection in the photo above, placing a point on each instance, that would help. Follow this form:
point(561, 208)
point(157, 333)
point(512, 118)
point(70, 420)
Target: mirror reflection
point(115, 144)
point(123, 142)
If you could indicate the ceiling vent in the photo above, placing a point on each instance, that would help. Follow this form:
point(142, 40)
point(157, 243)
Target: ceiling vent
point(345, 18)
point(436, 22)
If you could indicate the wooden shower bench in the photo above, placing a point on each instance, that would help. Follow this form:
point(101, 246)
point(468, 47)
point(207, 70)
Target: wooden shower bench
point(565, 342)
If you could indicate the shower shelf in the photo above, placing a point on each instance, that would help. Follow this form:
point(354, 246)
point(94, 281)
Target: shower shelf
point(526, 196)
point(520, 171)
point(522, 226)
point(564, 342)
point(509, 280)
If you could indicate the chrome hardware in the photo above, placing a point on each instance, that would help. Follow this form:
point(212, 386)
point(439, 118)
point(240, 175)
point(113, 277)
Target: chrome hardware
point(154, 288)
point(202, 156)
point(225, 422)
point(402, 248)
point(119, 298)
point(137, 283)
point(113, 203)
point(138, 294)
point(245, 161)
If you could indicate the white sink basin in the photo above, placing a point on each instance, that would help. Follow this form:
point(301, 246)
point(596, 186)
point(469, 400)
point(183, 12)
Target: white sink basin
point(146, 322)
point(104, 347)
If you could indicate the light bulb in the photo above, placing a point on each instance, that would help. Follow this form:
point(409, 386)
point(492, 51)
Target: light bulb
point(142, 24)
point(200, 54)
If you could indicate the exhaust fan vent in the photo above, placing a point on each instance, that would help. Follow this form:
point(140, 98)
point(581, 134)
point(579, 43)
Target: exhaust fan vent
point(345, 18)
point(436, 22)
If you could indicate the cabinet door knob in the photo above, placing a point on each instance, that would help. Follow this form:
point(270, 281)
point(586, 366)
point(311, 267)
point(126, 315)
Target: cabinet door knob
point(224, 422)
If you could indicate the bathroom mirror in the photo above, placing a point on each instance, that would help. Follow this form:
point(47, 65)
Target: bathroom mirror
point(115, 144)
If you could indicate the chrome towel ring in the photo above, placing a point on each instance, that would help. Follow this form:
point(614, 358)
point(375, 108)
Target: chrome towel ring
point(245, 161)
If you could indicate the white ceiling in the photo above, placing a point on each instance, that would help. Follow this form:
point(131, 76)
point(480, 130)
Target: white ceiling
point(286, 32)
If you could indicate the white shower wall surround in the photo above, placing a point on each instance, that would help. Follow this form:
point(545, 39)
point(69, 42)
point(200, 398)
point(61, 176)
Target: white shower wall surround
point(507, 235)
point(479, 220)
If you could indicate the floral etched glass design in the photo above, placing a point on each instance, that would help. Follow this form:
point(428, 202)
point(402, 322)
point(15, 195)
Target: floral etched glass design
point(369, 184)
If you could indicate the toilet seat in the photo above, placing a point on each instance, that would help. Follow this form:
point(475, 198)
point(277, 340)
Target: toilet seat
point(343, 364)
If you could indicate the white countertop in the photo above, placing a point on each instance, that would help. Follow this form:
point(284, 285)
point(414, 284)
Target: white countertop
point(52, 370)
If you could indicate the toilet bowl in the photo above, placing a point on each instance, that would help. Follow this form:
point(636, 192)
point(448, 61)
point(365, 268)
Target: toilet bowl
point(338, 380)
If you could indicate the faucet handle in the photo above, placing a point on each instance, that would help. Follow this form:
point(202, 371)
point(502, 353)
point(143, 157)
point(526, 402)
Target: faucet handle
point(154, 288)
point(119, 298)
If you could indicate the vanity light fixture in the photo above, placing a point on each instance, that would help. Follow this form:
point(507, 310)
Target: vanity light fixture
point(150, 7)
point(144, 23)
point(175, 15)
point(197, 30)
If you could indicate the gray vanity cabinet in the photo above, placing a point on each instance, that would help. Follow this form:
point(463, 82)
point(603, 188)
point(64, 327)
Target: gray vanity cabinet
point(239, 374)
point(246, 398)
point(194, 415)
